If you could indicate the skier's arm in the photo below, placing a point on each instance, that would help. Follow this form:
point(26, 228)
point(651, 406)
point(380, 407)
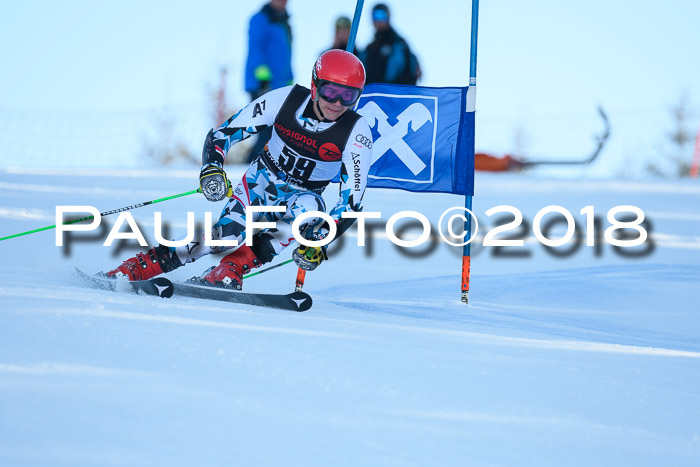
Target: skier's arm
point(354, 170)
point(356, 160)
point(249, 121)
point(213, 182)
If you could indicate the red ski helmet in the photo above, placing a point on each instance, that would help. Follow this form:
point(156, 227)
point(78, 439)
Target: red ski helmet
point(340, 68)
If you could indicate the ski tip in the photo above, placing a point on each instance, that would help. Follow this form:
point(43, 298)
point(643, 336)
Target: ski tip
point(302, 300)
point(84, 275)
point(98, 275)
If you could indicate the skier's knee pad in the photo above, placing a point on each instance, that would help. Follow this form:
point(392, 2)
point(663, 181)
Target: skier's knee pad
point(299, 203)
point(310, 201)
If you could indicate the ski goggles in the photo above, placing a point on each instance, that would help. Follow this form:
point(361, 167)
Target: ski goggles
point(332, 92)
point(380, 16)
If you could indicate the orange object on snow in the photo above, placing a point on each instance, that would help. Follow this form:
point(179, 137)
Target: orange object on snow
point(491, 163)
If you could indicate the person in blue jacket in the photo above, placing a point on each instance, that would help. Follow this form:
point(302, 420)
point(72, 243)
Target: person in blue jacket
point(269, 63)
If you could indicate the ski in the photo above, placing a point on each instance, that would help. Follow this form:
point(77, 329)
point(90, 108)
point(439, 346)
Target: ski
point(295, 301)
point(162, 287)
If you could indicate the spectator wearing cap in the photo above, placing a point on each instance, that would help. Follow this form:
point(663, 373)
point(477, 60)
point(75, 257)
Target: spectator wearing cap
point(388, 58)
point(342, 34)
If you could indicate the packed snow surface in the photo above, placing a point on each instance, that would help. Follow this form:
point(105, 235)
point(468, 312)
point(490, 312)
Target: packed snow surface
point(579, 356)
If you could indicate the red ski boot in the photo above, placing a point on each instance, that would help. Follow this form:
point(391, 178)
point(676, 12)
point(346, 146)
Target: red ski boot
point(229, 273)
point(144, 266)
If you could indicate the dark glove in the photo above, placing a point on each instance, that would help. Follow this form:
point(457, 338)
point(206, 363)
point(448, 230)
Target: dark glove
point(213, 183)
point(309, 257)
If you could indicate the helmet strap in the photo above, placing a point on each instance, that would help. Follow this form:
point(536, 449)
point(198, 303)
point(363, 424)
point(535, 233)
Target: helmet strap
point(320, 112)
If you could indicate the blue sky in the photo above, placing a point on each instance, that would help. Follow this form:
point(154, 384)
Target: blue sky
point(543, 66)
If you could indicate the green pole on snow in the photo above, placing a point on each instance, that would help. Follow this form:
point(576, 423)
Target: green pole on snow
point(106, 213)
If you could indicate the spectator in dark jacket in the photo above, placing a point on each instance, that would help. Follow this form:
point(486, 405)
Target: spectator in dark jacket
point(269, 64)
point(388, 59)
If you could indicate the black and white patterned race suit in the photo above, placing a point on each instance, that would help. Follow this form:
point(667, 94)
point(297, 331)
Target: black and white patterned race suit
point(297, 164)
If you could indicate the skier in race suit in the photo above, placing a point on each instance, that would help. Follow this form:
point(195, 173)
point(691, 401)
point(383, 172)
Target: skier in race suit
point(315, 137)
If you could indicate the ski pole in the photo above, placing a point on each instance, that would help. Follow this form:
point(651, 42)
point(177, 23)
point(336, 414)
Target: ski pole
point(106, 213)
point(301, 275)
point(268, 269)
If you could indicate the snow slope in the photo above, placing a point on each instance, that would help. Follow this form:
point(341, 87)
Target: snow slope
point(590, 358)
